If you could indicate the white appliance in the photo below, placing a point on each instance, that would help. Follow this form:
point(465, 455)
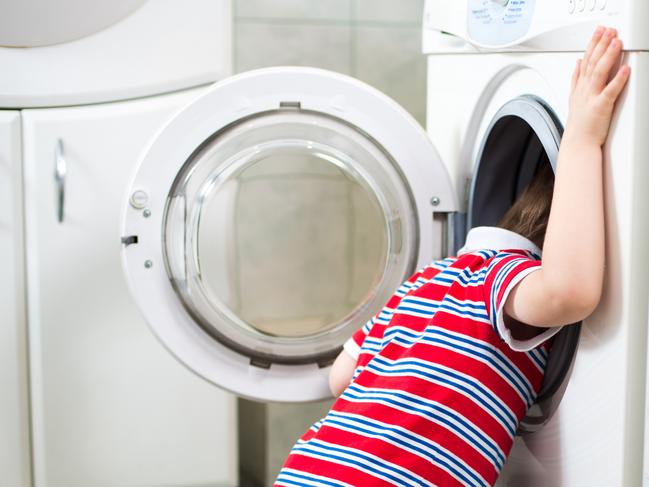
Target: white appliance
point(88, 397)
point(482, 55)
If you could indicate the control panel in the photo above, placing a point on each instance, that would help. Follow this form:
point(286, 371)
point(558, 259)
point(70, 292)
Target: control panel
point(500, 22)
point(530, 25)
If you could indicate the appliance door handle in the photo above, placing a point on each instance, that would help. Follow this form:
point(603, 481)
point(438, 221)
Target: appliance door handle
point(60, 171)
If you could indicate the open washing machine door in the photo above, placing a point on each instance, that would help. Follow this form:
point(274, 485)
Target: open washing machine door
point(272, 217)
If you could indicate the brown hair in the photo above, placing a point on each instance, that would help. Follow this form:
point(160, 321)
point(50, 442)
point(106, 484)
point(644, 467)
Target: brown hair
point(529, 214)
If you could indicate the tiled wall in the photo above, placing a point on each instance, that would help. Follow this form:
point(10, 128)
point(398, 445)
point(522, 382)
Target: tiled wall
point(377, 41)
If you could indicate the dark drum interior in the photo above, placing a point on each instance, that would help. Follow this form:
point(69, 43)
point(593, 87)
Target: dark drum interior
point(512, 154)
point(523, 136)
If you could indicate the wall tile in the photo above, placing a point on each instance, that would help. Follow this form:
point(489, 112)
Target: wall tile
point(390, 59)
point(294, 9)
point(324, 46)
point(390, 11)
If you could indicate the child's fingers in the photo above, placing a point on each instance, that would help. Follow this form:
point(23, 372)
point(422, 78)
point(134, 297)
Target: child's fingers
point(599, 50)
point(616, 85)
point(602, 70)
point(597, 35)
point(575, 75)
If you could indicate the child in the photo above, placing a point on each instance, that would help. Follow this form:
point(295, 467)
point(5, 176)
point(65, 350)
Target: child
point(432, 389)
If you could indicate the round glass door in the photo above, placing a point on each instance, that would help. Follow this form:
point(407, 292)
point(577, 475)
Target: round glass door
point(272, 217)
point(284, 230)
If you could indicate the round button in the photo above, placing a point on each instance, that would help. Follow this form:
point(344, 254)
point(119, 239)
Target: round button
point(139, 199)
point(571, 6)
point(581, 5)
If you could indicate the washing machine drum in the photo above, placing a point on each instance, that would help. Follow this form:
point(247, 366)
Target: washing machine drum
point(522, 138)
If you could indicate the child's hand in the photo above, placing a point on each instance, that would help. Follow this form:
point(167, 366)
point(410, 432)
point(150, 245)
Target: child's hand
point(593, 96)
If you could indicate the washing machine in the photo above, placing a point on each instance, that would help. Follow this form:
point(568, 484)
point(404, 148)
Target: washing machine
point(489, 61)
point(273, 215)
point(88, 397)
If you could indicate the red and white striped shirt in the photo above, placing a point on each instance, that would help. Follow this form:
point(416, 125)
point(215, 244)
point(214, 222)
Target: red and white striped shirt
point(440, 385)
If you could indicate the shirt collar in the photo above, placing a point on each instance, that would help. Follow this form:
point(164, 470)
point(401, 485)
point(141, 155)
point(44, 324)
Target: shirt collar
point(495, 238)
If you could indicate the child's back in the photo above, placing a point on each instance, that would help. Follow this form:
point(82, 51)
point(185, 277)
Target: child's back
point(437, 395)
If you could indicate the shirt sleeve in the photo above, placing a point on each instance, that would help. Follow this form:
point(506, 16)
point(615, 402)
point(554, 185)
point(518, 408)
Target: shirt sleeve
point(504, 272)
point(369, 339)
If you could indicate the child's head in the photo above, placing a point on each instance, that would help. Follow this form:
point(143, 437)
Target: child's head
point(530, 212)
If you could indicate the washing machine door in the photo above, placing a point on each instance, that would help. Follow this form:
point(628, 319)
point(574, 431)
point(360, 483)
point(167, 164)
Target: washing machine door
point(272, 217)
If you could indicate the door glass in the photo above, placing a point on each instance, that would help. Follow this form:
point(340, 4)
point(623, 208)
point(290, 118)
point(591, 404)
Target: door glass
point(292, 242)
point(286, 231)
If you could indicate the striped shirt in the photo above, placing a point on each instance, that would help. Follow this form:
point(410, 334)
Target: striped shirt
point(440, 385)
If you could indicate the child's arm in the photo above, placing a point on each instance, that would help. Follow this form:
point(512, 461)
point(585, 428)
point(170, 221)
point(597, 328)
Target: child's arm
point(568, 286)
point(341, 373)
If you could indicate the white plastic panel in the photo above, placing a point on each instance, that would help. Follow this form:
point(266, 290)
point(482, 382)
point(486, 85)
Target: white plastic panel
point(110, 405)
point(163, 46)
point(14, 403)
point(322, 92)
